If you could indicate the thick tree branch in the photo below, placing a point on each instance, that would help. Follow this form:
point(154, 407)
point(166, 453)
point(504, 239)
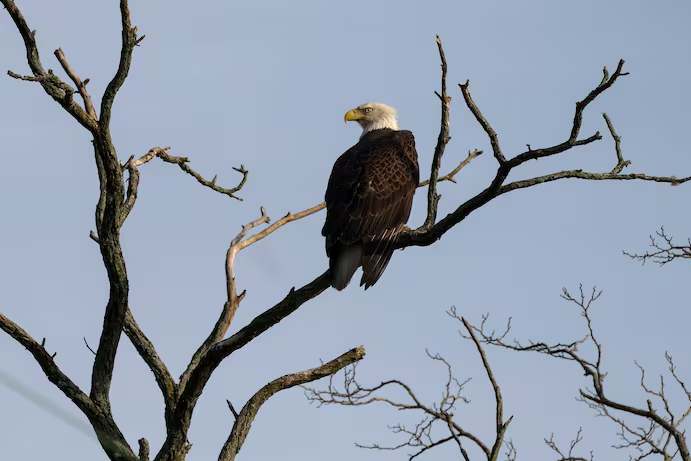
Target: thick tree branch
point(49, 367)
point(246, 416)
point(111, 211)
point(129, 41)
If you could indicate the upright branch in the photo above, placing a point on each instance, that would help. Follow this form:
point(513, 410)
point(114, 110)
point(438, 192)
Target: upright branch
point(568, 455)
point(443, 139)
point(113, 207)
point(440, 414)
point(664, 434)
point(664, 250)
point(500, 424)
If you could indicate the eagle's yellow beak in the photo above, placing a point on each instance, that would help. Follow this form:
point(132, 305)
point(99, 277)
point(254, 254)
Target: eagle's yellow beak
point(353, 115)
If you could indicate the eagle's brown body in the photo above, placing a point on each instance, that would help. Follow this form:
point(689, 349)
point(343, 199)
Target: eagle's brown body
point(368, 199)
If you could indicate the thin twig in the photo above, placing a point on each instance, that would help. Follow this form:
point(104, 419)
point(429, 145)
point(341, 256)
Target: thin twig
point(452, 175)
point(89, 347)
point(493, 138)
point(232, 409)
point(663, 252)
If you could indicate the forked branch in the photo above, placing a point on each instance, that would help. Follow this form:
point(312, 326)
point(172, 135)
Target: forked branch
point(664, 434)
point(664, 250)
point(424, 237)
point(422, 438)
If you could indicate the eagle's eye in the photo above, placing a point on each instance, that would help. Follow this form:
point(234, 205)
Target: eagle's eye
point(368, 109)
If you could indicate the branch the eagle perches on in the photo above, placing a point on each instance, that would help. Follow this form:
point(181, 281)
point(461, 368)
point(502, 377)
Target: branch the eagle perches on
point(117, 200)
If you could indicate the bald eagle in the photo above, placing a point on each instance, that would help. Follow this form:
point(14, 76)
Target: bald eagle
point(369, 196)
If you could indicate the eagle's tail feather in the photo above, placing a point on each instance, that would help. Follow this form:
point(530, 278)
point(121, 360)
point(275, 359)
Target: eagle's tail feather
point(374, 264)
point(343, 266)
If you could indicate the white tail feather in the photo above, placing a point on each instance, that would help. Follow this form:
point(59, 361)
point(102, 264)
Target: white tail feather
point(344, 266)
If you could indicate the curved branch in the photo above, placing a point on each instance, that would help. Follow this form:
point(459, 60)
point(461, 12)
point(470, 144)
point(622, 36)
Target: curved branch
point(249, 411)
point(182, 163)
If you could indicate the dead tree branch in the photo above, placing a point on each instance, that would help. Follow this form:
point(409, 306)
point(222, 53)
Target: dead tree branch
point(568, 456)
point(663, 253)
point(664, 435)
point(424, 237)
point(60, 91)
point(108, 434)
point(501, 425)
point(420, 437)
point(246, 416)
point(444, 138)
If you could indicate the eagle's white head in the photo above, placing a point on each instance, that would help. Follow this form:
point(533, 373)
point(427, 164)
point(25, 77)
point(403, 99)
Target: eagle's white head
point(373, 116)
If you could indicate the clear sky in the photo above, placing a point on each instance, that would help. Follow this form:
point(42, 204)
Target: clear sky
point(265, 84)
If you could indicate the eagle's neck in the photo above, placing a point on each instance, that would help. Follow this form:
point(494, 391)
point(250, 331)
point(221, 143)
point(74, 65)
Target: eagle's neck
point(385, 122)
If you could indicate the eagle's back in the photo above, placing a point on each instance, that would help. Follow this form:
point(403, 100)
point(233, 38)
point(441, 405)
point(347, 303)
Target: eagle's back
point(369, 196)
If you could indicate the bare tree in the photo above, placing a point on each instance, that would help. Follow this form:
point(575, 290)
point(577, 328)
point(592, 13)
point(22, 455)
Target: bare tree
point(119, 183)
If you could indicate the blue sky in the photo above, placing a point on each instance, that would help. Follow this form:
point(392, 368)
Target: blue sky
point(266, 84)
